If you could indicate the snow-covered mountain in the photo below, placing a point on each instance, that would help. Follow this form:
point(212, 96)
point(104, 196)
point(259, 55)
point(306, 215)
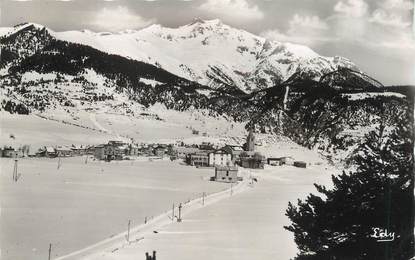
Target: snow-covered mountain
point(74, 76)
point(212, 53)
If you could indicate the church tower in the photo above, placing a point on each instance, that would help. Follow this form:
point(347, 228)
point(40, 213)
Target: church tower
point(250, 141)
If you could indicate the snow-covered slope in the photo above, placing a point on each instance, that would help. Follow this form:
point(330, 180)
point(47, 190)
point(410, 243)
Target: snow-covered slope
point(212, 53)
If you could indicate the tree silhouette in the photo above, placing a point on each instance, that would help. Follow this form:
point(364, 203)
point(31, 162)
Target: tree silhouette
point(338, 223)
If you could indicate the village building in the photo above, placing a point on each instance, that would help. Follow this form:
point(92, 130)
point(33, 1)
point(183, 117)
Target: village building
point(63, 151)
point(234, 150)
point(226, 174)
point(252, 160)
point(220, 157)
point(47, 151)
point(200, 159)
point(10, 152)
point(249, 158)
point(278, 161)
point(300, 164)
point(79, 150)
point(159, 151)
point(274, 161)
point(206, 146)
point(99, 152)
point(183, 152)
point(114, 150)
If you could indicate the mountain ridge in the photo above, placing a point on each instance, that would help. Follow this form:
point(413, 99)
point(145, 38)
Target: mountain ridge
point(211, 53)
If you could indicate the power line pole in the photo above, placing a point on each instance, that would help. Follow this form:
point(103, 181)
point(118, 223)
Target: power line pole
point(59, 162)
point(172, 213)
point(179, 219)
point(128, 231)
point(50, 251)
point(15, 171)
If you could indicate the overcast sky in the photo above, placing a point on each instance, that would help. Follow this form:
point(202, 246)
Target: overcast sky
point(378, 35)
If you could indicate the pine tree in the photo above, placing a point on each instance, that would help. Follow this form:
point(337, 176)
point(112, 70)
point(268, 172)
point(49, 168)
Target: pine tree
point(338, 223)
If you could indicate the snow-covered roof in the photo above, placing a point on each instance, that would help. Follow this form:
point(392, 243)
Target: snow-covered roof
point(50, 149)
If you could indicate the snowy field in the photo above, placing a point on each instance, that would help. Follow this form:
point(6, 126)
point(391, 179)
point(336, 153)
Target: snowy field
point(247, 225)
point(80, 204)
point(19, 130)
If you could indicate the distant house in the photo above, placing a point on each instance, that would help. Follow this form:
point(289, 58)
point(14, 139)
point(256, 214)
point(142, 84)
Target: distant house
point(288, 160)
point(113, 152)
point(226, 174)
point(62, 151)
point(99, 152)
point(200, 159)
point(182, 152)
point(79, 150)
point(300, 164)
point(134, 150)
point(275, 161)
point(47, 151)
point(234, 150)
point(252, 160)
point(10, 152)
point(159, 151)
point(206, 146)
point(220, 157)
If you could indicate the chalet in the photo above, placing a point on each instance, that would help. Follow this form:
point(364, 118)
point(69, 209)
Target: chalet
point(300, 164)
point(234, 150)
point(113, 152)
point(183, 152)
point(220, 157)
point(79, 150)
point(200, 159)
point(226, 174)
point(206, 146)
point(99, 152)
point(159, 151)
point(134, 150)
point(288, 160)
point(10, 152)
point(63, 151)
point(275, 161)
point(47, 151)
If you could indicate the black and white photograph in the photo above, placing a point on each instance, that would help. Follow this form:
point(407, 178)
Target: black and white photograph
point(207, 129)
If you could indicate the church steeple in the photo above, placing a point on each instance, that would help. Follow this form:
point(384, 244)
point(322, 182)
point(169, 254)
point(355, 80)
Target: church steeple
point(250, 141)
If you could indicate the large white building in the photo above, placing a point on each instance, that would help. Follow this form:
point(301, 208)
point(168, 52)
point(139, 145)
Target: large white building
point(220, 157)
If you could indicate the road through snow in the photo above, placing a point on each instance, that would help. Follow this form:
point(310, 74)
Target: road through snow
point(247, 225)
point(138, 233)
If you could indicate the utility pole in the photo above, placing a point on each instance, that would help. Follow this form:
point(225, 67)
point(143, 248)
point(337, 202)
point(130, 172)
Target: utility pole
point(128, 231)
point(172, 213)
point(15, 171)
point(59, 162)
point(203, 199)
point(50, 251)
point(86, 159)
point(179, 219)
